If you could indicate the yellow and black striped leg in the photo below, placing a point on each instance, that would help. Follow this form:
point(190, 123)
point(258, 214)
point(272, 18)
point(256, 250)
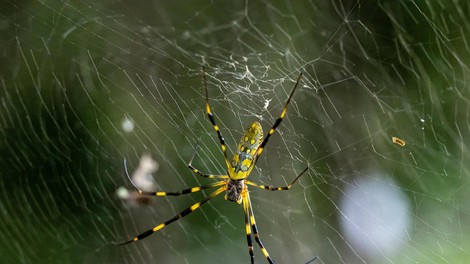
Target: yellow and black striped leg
point(279, 120)
point(247, 226)
point(200, 173)
point(271, 188)
point(212, 120)
point(182, 214)
point(255, 229)
point(185, 191)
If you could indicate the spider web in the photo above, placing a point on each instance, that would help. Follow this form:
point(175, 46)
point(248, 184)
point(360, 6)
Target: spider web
point(87, 84)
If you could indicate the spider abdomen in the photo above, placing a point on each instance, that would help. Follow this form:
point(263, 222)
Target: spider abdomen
point(242, 161)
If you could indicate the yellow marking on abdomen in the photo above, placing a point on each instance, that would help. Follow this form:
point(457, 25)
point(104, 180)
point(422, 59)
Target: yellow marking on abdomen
point(246, 162)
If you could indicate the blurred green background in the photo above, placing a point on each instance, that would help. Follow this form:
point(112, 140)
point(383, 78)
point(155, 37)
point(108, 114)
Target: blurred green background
point(72, 73)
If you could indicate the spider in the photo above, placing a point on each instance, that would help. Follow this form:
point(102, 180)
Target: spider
point(235, 182)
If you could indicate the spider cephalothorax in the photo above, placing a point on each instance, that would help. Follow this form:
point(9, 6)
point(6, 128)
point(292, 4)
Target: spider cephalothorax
point(234, 190)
